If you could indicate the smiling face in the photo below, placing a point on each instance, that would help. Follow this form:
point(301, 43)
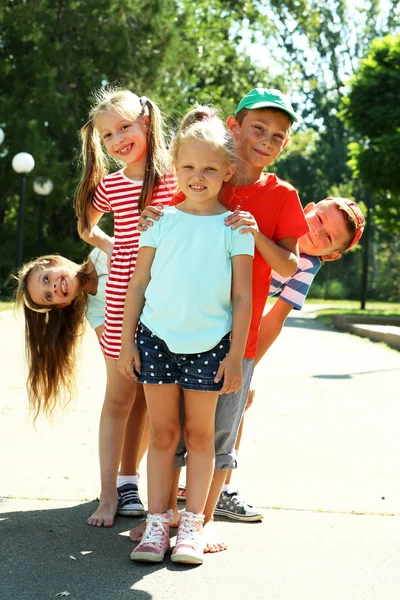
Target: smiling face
point(328, 235)
point(260, 137)
point(53, 286)
point(124, 139)
point(201, 170)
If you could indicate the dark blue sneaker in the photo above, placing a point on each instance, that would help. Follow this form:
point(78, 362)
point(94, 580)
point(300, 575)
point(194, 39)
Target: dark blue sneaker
point(129, 503)
point(231, 506)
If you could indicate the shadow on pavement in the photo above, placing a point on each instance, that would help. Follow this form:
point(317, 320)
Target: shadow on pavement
point(35, 552)
point(351, 375)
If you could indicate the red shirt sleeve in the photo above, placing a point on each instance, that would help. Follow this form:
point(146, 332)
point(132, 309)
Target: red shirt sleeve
point(292, 221)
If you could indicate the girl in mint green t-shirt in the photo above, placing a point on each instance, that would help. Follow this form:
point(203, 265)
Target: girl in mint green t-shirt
point(190, 301)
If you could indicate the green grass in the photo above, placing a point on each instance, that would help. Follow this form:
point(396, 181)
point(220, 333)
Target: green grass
point(350, 307)
point(6, 305)
point(355, 304)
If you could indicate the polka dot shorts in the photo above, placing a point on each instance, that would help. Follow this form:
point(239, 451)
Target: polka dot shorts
point(191, 371)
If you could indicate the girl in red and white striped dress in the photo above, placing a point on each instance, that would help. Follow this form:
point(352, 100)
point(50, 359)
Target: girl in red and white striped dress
point(129, 129)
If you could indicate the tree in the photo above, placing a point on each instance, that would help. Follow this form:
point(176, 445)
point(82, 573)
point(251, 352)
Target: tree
point(54, 54)
point(318, 44)
point(372, 110)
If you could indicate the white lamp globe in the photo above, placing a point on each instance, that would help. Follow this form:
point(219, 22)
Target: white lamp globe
point(23, 163)
point(43, 187)
point(1, 136)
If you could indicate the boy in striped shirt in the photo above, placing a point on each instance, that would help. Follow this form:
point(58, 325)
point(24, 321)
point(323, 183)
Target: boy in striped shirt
point(336, 224)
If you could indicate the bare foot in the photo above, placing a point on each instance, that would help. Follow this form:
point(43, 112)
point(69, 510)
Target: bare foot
point(212, 541)
point(181, 494)
point(175, 517)
point(104, 515)
point(137, 532)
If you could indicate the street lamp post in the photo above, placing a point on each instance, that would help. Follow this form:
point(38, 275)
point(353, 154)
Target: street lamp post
point(42, 187)
point(22, 163)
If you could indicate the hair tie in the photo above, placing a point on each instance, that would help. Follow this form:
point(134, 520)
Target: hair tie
point(210, 116)
point(143, 100)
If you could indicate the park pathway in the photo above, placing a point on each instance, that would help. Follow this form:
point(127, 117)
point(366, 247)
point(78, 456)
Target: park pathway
point(320, 455)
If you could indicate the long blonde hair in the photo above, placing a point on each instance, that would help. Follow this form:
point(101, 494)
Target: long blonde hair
point(52, 337)
point(95, 163)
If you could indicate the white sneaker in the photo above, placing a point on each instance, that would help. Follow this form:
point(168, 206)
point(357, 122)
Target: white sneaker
point(189, 548)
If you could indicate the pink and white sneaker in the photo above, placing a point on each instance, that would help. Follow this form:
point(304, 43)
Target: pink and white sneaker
point(189, 548)
point(155, 540)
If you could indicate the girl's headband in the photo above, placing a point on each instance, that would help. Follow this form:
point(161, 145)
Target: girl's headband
point(143, 100)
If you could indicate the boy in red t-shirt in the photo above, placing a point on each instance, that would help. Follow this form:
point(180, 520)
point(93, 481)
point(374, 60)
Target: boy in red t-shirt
point(260, 126)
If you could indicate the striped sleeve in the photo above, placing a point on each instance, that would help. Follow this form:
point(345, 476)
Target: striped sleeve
point(100, 200)
point(294, 290)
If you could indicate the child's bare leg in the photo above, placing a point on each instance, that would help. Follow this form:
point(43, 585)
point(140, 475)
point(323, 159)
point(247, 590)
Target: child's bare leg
point(172, 503)
point(199, 437)
point(133, 441)
point(136, 533)
point(212, 542)
point(145, 439)
point(165, 428)
point(120, 394)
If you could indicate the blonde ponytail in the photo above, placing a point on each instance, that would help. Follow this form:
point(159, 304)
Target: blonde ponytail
point(95, 168)
point(157, 156)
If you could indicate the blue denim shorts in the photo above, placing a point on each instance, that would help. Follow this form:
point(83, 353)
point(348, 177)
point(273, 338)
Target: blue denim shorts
point(190, 371)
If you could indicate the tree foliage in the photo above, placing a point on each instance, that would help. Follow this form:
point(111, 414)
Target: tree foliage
point(372, 110)
point(54, 54)
point(319, 43)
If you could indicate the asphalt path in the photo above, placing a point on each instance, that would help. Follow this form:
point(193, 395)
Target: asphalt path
point(320, 456)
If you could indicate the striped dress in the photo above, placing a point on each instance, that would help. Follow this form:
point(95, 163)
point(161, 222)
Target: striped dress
point(120, 195)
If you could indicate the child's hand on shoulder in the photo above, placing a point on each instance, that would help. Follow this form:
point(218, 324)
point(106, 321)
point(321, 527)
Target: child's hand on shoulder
point(242, 218)
point(231, 370)
point(148, 215)
point(129, 361)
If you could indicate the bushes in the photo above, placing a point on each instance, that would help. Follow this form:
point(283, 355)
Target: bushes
point(333, 290)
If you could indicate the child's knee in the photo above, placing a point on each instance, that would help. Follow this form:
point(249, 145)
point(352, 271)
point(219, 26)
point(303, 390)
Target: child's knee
point(165, 438)
point(198, 440)
point(118, 403)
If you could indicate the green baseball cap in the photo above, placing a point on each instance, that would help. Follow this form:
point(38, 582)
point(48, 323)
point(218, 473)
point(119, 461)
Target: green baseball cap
point(267, 98)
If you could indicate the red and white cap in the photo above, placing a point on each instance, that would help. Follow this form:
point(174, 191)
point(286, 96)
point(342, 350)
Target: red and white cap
point(360, 220)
